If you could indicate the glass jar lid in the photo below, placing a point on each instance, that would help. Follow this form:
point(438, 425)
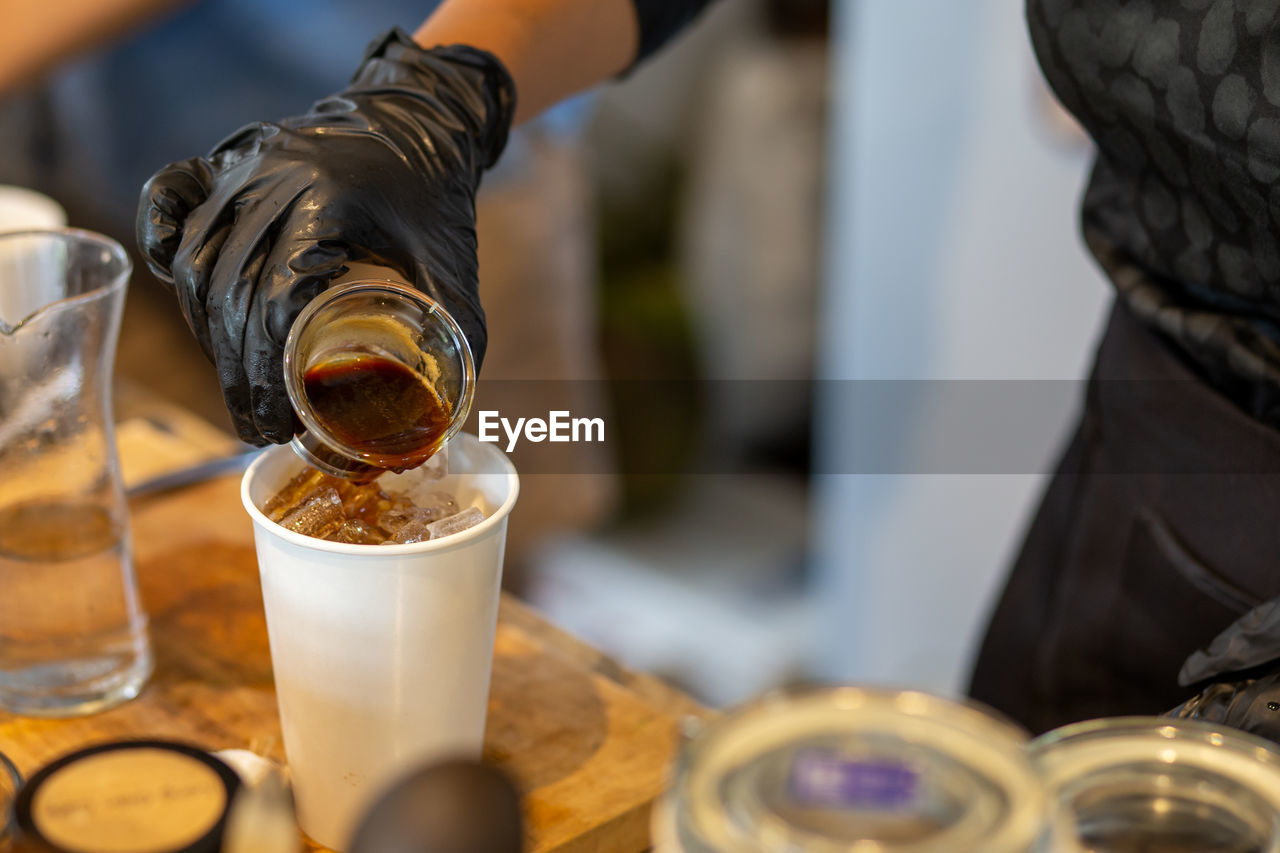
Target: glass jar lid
point(854, 768)
point(1150, 783)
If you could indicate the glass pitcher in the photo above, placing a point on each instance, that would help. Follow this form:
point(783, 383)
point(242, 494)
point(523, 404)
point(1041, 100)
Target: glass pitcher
point(73, 636)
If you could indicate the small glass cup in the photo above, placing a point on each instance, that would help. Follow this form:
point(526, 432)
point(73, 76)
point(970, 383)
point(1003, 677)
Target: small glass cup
point(853, 768)
point(1148, 783)
point(413, 341)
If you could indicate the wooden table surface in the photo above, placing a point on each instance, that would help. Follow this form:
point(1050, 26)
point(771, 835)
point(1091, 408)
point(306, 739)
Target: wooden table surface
point(588, 741)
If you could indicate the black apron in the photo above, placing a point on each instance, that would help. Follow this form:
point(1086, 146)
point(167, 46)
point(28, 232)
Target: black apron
point(1159, 528)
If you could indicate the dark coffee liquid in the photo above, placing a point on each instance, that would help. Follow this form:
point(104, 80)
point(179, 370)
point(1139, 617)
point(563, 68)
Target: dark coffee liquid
point(377, 406)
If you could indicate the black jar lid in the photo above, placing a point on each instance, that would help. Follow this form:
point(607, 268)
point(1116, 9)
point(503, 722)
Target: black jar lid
point(137, 796)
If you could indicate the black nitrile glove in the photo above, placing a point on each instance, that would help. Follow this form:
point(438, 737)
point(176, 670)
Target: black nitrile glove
point(1249, 704)
point(1239, 675)
point(388, 168)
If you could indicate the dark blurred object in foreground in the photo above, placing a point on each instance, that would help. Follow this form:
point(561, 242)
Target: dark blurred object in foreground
point(453, 807)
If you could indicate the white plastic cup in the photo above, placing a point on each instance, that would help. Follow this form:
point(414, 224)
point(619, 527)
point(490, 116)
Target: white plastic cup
point(22, 209)
point(381, 653)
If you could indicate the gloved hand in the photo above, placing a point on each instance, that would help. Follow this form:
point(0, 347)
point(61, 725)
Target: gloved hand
point(386, 168)
point(1248, 704)
point(1239, 675)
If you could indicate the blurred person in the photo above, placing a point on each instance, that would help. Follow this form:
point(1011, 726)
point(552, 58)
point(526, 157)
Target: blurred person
point(1159, 528)
point(93, 95)
point(1156, 531)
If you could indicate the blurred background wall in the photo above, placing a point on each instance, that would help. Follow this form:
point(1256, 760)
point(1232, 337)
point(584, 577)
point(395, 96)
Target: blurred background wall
point(708, 166)
point(954, 253)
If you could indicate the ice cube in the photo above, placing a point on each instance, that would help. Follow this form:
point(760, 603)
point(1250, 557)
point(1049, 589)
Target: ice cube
point(296, 492)
point(437, 505)
point(315, 504)
point(356, 533)
point(437, 467)
point(414, 531)
point(397, 517)
point(469, 517)
point(422, 523)
point(319, 516)
point(368, 503)
point(431, 507)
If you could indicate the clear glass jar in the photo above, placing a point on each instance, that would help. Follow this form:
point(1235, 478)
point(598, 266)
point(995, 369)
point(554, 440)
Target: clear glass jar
point(398, 327)
point(854, 768)
point(1136, 784)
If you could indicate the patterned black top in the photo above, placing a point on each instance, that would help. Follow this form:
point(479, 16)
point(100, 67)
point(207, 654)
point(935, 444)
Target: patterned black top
point(1182, 98)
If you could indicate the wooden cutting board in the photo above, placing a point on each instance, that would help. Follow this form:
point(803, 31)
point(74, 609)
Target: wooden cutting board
point(588, 741)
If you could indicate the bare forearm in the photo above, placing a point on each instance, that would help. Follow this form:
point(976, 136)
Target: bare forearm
point(553, 48)
point(36, 36)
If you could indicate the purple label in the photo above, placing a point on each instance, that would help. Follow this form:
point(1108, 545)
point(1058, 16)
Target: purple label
point(820, 778)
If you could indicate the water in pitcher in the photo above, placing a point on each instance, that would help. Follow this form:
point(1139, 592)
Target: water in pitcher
point(66, 623)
